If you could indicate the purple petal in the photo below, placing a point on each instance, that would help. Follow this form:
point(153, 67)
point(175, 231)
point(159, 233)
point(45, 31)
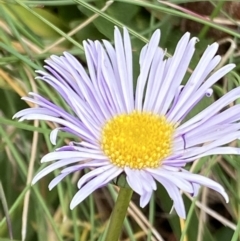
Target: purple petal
point(99, 181)
point(174, 74)
point(144, 68)
point(56, 180)
point(92, 174)
point(54, 166)
point(211, 110)
point(145, 198)
point(134, 180)
point(174, 194)
point(188, 105)
point(72, 154)
point(179, 182)
point(124, 63)
point(201, 180)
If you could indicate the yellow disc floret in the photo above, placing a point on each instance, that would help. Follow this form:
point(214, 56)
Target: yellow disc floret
point(137, 140)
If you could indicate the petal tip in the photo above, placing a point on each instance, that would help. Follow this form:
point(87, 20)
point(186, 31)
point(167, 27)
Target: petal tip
point(53, 136)
point(34, 180)
point(73, 204)
point(44, 159)
point(225, 196)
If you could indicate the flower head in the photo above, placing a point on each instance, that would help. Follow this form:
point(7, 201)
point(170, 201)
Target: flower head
point(136, 131)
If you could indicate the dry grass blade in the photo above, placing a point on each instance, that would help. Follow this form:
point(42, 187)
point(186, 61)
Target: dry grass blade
point(78, 28)
point(230, 51)
point(214, 214)
point(202, 216)
point(5, 208)
point(31, 165)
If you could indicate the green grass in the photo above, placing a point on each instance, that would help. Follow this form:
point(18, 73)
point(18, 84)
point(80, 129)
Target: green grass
point(46, 215)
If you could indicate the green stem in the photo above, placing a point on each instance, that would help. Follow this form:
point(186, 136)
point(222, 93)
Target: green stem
point(118, 214)
point(213, 15)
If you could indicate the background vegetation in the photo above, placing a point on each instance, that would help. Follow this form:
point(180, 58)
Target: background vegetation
point(30, 31)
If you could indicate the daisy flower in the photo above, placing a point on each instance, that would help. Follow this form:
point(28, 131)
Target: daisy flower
point(136, 131)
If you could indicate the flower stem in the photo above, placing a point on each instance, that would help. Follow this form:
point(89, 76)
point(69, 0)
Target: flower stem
point(118, 214)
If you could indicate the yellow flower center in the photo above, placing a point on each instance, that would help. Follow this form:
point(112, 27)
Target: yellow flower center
point(137, 140)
